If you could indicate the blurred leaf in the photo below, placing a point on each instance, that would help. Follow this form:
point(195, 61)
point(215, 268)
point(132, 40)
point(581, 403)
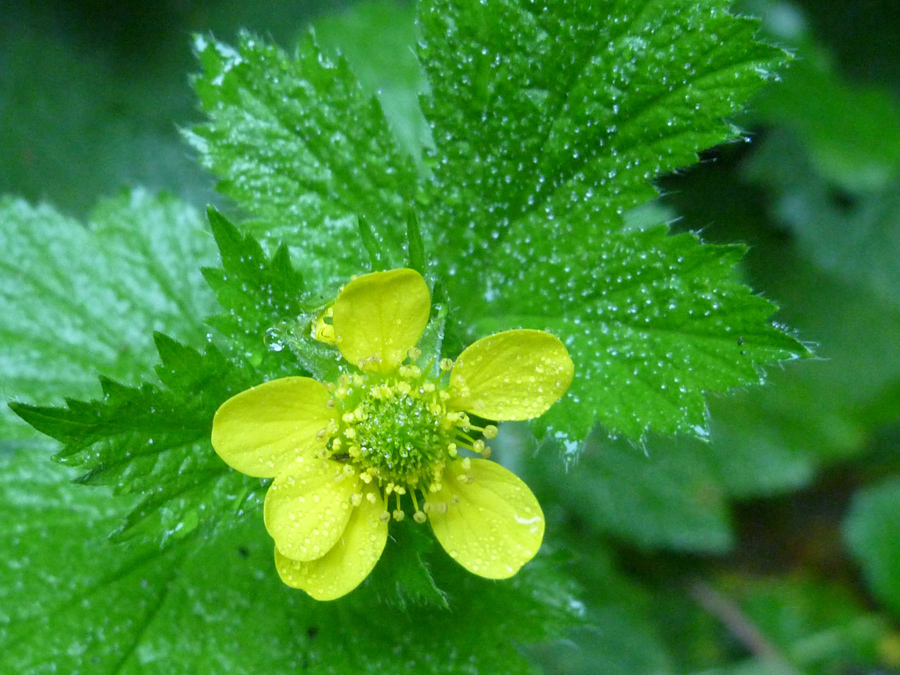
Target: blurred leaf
point(301, 147)
point(664, 497)
point(818, 626)
point(84, 605)
point(850, 133)
point(76, 126)
point(853, 236)
point(550, 122)
point(619, 637)
point(78, 299)
point(872, 532)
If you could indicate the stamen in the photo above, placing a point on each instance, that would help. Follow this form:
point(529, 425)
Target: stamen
point(490, 431)
point(420, 517)
point(398, 512)
point(446, 365)
point(414, 353)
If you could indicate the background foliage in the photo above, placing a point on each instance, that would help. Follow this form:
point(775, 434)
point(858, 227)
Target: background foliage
point(771, 547)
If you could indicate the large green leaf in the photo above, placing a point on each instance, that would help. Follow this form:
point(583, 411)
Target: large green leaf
point(544, 110)
point(653, 322)
point(76, 300)
point(81, 605)
point(303, 149)
point(550, 121)
point(155, 441)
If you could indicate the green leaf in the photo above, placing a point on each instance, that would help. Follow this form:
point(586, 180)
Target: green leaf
point(76, 300)
point(652, 323)
point(259, 295)
point(303, 149)
point(218, 606)
point(155, 442)
point(550, 120)
point(545, 110)
point(872, 531)
point(415, 245)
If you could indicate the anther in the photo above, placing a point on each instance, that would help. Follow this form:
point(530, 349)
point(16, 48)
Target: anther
point(384, 517)
point(399, 515)
point(356, 498)
point(490, 431)
point(486, 452)
point(446, 364)
point(478, 446)
point(419, 517)
point(414, 353)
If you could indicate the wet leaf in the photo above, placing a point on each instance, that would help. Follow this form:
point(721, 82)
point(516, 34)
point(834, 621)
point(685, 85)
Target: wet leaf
point(79, 300)
point(550, 121)
point(88, 606)
point(300, 146)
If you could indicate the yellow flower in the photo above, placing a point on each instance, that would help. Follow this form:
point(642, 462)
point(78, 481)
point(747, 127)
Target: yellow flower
point(389, 430)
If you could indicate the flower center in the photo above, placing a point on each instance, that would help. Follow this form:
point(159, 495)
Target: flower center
point(396, 431)
point(401, 435)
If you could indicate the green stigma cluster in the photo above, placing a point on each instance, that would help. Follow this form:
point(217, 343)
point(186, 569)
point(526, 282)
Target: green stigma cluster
point(396, 432)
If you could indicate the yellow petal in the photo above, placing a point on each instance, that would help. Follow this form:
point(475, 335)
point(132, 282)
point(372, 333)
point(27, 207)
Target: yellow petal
point(379, 317)
point(349, 561)
point(260, 430)
point(307, 507)
point(496, 524)
point(515, 375)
